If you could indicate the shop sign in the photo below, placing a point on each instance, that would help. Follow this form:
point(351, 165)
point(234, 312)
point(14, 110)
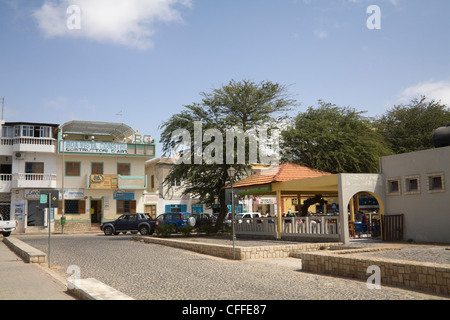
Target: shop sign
point(120, 195)
point(31, 193)
point(95, 147)
point(103, 181)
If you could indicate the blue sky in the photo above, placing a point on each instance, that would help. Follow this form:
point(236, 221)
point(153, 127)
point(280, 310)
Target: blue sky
point(149, 58)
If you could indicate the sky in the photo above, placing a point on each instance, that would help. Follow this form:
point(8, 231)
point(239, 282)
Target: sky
point(63, 60)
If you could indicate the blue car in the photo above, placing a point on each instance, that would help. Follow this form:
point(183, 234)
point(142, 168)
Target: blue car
point(178, 219)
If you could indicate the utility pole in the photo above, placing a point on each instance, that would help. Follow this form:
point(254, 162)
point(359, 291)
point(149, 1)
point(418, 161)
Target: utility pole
point(3, 105)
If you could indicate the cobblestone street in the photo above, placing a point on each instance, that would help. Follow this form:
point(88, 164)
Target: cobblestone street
point(155, 272)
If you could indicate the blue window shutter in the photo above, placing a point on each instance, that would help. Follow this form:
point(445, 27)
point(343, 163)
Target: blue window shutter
point(183, 208)
point(168, 208)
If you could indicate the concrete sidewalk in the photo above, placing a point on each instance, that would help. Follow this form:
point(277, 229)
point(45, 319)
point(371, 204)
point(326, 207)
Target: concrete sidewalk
point(25, 281)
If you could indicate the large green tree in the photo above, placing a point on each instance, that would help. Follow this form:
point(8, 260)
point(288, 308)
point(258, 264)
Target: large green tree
point(242, 104)
point(409, 127)
point(334, 139)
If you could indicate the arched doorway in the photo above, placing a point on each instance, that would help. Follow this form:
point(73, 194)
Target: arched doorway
point(365, 215)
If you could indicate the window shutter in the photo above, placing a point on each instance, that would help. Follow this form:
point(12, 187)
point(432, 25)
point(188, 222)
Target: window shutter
point(183, 208)
point(81, 206)
point(168, 208)
point(132, 206)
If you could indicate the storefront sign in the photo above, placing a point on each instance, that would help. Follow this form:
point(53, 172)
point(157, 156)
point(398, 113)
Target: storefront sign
point(103, 181)
point(119, 195)
point(31, 193)
point(72, 194)
point(94, 147)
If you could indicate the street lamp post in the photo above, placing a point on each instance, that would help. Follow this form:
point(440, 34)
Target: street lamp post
point(231, 171)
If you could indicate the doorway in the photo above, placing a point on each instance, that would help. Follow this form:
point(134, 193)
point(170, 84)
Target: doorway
point(151, 210)
point(96, 211)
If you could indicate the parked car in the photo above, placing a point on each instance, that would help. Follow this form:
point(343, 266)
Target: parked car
point(7, 226)
point(177, 219)
point(130, 222)
point(204, 218)
point(247, 215)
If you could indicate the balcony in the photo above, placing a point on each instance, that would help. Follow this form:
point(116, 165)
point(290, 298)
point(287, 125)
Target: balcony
point(5, 183)
point(26, 144)
point(6, 146)
point(33, 180)
point(116, 181)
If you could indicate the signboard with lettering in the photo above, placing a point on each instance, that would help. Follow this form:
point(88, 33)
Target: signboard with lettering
point(94, 147)
point(103, 181)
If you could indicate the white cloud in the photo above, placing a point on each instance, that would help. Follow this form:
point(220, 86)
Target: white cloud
point(435, 90)
point(124, 22)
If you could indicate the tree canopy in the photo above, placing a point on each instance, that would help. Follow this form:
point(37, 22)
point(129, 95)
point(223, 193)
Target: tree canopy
point(334, 139)
point(243, 104)
point(410, 127)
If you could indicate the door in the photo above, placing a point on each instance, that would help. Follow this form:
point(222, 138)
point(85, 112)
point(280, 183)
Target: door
point(96, 211)
point(35, 214)
point(151, 210)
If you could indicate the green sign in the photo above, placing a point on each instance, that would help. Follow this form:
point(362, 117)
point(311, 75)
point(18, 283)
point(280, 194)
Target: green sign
point(43, 199)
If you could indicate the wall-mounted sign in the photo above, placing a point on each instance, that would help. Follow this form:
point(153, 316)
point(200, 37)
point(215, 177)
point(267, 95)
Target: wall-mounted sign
point(103, 181)
point(94, 147)
point(119, 195)
point(142, 139)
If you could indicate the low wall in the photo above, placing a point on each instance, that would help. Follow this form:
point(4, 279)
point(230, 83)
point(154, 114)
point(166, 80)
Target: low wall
point(73, 226)
point(241, 253)
point(25, 251)
point(428, 277)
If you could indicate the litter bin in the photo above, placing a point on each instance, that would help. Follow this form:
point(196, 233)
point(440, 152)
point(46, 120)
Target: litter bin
point(63, 220)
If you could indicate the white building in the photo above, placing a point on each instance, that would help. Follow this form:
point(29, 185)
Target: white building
point(161, 198)
point(100, 166)
point(27, 165)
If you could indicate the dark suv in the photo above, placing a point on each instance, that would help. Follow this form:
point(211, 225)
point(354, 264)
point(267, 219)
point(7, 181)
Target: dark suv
point(130, 222)
point(178, 219)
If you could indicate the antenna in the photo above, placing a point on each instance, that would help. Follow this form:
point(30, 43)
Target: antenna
point(3, 105)
point(120, 114)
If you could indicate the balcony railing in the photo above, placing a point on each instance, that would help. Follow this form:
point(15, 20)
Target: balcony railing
point(33, 180)
point(5, 183)
point(34, 144)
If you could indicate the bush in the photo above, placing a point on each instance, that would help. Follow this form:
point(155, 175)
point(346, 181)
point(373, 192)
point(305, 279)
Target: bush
point(165, 230)
point(206, 228)
point(186, 230)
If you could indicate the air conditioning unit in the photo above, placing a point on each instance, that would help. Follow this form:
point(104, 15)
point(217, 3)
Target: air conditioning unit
point(19, 156)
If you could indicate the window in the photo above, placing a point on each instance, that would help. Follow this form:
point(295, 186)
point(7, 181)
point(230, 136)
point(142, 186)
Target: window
point(436, 182)
point(74, 206)
point(152, 182)
point(97, 168)
point(175, 183)
point(412, 185)
point(126, 206)
point(393, 186)
point(27, 131)
point(73, 169)
point(44, 132)
point(124, 169)
point(34, 167)
point(7, 132)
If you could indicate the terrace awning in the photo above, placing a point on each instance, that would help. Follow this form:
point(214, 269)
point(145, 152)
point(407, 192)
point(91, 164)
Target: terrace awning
point(117, 130)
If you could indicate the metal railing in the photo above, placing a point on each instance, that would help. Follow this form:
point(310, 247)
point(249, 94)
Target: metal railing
point(326, 226)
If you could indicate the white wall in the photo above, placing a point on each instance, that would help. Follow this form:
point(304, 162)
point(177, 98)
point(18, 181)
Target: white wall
point(427, 214)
